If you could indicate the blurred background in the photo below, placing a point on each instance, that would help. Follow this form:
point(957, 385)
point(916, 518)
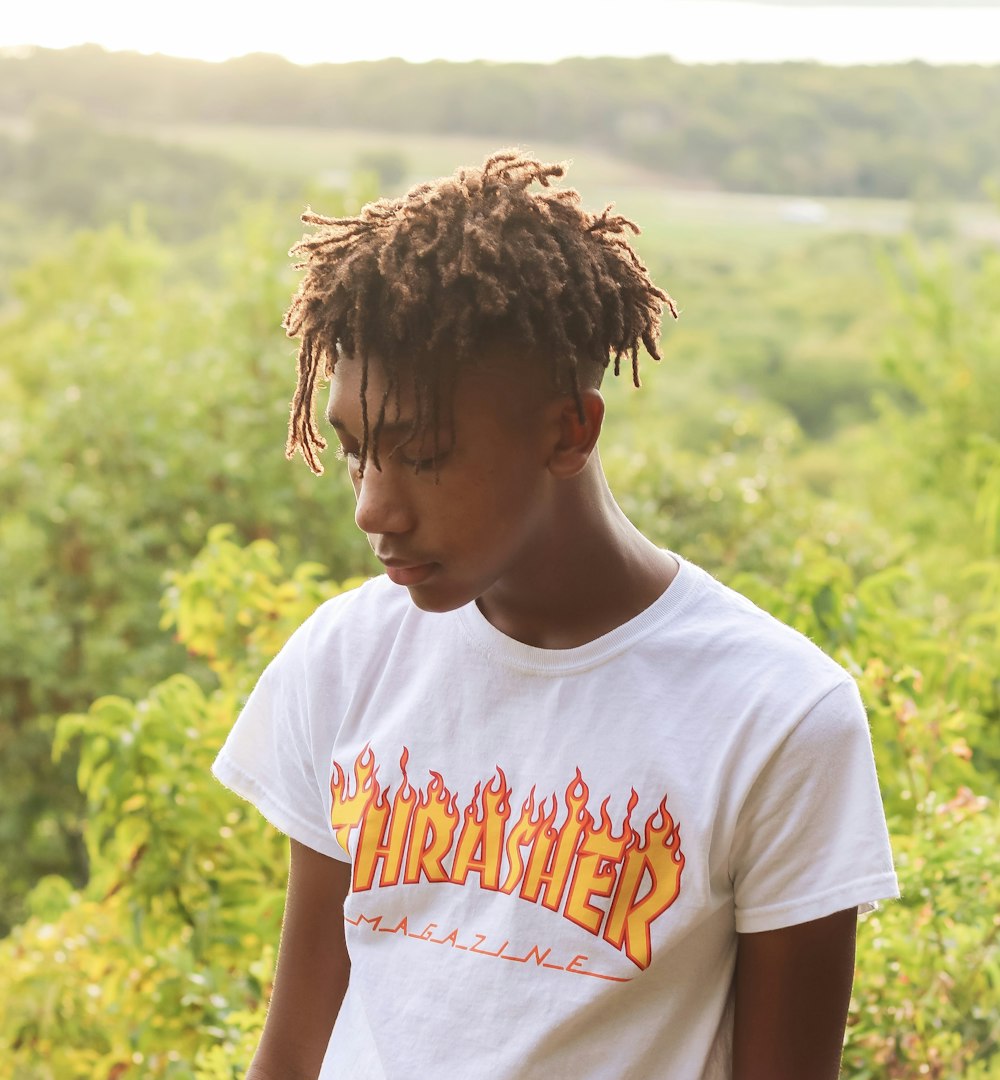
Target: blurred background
point(819, 190)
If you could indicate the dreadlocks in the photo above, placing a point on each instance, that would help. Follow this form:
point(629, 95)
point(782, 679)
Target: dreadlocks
point(426, 283)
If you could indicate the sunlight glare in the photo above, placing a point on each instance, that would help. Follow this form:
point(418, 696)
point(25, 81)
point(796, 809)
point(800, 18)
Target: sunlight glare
point(708, 31)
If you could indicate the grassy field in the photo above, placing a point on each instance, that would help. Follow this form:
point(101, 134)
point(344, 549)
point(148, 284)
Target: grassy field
point(330, 156)
point(762, 223)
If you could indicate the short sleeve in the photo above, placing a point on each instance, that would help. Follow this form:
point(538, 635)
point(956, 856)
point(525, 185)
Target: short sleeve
point(271, 757)
point(811, 836)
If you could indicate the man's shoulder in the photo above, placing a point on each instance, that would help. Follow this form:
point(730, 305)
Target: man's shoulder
point(347, 634)
point(730, 624)
point(369, 610)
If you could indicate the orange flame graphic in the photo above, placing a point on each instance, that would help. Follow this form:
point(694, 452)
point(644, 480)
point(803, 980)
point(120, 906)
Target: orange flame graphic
point(383, 834)
point(480, 843)
point(434, 822)
point(533, 831)
point(551, 871)
point(658, 860)
point(348, 809)
point(595, 872)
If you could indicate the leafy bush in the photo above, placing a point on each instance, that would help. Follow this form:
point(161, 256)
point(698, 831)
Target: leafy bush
point(165, 958)
point(142, 398)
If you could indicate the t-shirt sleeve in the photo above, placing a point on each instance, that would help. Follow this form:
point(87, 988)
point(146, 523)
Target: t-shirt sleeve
point(270, 757)
point(811, 837)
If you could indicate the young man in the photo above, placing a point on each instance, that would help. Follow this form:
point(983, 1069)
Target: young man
point(560, 804)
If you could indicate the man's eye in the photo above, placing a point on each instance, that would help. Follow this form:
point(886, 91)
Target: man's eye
point(419, 460)
point(348, 455)
point(418, 463)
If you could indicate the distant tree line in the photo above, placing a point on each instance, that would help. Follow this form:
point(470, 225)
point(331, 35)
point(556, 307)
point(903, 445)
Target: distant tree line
point(73, 169)
point(893, 131)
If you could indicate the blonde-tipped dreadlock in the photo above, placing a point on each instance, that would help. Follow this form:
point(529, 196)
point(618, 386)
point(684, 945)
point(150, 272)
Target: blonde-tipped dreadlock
point(425, 283)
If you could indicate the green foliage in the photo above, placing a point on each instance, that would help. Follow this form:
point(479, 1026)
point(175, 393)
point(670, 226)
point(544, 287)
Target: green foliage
point(142, 397)
point(389, 166)
point(944, 355)
point(928, 988)
point(734, 504)
point(161, 965)
point(234, 608)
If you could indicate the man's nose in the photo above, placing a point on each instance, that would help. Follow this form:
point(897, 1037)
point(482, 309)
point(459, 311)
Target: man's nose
point(381, 506)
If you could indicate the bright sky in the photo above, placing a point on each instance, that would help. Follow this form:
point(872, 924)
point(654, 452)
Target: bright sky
point(310, 31)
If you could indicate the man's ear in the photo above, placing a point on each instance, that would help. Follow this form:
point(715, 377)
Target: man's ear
point(576, 437)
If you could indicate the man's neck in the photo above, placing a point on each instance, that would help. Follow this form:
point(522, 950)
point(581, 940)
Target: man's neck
point(589, 571)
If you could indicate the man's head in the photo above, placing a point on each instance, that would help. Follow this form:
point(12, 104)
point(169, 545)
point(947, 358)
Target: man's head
point(453, 513)
point(458, 272)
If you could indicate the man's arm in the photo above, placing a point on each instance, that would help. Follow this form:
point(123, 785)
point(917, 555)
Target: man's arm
point(793, 988)
point(312, 970)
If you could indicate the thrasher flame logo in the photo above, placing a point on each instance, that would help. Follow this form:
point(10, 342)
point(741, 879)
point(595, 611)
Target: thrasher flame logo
point(414, 835)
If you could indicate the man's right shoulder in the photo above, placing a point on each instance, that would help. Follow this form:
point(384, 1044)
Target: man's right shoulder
point(347, 634)
point(370, 613)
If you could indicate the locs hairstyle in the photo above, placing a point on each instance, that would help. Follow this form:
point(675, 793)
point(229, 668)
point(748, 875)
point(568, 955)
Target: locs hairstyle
point(427, 283)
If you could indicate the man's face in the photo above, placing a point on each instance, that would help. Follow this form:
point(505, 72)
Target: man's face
point(451, 533)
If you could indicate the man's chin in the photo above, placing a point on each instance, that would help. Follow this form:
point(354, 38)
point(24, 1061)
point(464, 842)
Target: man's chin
point(437, 601)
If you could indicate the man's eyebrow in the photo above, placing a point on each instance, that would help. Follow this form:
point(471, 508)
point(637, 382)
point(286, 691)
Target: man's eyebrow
point(395, 428)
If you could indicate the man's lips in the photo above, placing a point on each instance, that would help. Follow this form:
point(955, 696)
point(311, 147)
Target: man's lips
point(402, 572)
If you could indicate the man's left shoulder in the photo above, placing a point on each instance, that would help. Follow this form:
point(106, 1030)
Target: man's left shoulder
point(740, 629)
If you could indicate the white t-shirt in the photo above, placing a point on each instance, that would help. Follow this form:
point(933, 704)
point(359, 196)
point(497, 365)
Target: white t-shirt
point(554, 850)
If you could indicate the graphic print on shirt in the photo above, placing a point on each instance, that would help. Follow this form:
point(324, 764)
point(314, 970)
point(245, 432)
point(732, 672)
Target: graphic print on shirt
point(552, 854)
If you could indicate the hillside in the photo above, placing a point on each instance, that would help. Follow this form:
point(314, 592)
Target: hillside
point(891, 132)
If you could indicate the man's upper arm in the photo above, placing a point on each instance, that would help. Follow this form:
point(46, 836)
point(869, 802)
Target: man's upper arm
point(793, 988)
point(312, 970)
